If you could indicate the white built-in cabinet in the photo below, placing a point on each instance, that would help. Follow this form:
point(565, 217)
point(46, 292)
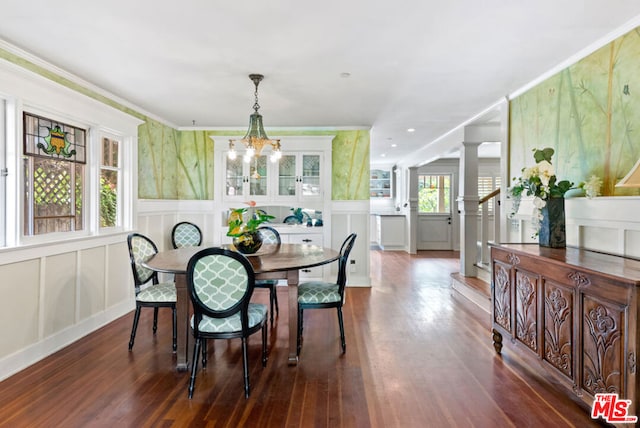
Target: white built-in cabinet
point(296, 177)
point(303, 235)
point(300, 179)
point(391, 231)
point(380, 183)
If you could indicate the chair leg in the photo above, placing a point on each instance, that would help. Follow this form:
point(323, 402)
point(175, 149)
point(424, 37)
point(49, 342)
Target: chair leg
point(194, 368)
point(155, 319)
point(204, 353)
point(341, 323)
point(299, 335)
point(175, 330)
point(274, 290)
point(245, 365)
point(264, 345)
point(136, 318)
point(271, 302)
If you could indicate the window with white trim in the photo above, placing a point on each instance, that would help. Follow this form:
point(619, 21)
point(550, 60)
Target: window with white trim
point(54, 158)
point(434, 193)
point(110, 172)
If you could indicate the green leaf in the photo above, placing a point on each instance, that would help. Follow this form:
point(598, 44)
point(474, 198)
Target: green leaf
point(544, 154)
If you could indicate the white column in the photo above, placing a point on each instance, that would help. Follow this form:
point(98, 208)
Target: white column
point(468, 206)
point(412, 218)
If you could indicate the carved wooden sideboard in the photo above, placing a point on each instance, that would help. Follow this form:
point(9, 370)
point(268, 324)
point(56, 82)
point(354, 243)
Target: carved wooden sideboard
point(575, 310)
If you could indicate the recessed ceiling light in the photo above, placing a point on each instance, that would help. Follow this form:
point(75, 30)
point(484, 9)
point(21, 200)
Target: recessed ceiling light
point(394, 145)
point(411, 130)
point(383, 155)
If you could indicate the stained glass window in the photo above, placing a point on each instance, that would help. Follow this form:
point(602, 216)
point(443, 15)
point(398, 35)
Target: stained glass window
point(54, 158)
point(48, 138)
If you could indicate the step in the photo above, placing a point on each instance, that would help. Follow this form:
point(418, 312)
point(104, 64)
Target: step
point(483, 272)
point(475, 289)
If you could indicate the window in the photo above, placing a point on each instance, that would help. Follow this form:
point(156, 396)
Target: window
point(434, 193)
point(109, 179)
point(54, 176)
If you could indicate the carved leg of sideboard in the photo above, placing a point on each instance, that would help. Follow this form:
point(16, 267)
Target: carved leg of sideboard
point(497, 341)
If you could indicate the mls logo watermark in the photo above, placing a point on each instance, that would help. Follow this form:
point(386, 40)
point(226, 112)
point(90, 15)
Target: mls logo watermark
point(612, 409)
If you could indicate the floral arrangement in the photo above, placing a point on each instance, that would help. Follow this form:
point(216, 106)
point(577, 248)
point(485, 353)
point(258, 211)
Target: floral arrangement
point(592, 187)
point(539, 181)
point(237, 225)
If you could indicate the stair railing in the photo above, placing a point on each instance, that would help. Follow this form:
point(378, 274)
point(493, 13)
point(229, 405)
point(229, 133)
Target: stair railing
point(484, 224)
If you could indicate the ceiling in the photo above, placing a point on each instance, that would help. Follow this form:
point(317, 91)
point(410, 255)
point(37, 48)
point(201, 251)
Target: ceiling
point(421, 64)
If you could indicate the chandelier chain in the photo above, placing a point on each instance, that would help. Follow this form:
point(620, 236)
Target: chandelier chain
point(256, 106)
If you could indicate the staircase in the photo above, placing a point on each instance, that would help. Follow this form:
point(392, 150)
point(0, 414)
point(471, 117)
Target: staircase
point(476, 289)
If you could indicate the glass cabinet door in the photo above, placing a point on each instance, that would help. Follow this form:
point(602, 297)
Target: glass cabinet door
point(296, 176)
point(258, 176)
point(234, 177)
point(287, 176)
point(311, 175)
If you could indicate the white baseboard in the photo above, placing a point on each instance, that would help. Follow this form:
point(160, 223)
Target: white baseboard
point(29, 355)
point(358, 281)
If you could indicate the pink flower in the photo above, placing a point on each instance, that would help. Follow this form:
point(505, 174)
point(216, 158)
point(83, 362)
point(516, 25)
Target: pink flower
point(251, 203)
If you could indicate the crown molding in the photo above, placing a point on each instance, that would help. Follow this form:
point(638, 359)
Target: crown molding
point(36, 65)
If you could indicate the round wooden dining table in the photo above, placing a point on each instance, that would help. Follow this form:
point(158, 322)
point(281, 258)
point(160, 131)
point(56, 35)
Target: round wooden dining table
point(272, 261)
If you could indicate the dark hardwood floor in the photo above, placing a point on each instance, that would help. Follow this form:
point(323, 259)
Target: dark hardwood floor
point(418, 355)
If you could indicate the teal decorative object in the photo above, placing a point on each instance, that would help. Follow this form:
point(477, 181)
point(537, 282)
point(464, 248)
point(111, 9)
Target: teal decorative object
point(552, 224)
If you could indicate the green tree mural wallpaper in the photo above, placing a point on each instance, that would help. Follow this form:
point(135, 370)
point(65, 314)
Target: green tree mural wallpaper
point(195, 165)
point(589, 113)
point(157, 166)
point(350, 165)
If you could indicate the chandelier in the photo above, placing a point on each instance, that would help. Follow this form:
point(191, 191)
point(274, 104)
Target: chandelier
point(256, 138)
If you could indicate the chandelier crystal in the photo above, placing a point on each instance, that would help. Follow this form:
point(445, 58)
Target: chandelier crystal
point(256, 138)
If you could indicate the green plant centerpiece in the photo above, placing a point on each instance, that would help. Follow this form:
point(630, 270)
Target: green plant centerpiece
point(246, 237)
point(548, 192)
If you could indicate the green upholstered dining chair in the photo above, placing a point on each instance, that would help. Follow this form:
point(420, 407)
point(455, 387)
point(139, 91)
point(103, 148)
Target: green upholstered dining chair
point(322, 295)
point(149, 291)
point(270, 236)
point(220, 283)
point(186, 234)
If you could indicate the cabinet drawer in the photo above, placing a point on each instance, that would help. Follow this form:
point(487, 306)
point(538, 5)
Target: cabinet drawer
point(309, 273)
point(306, 238)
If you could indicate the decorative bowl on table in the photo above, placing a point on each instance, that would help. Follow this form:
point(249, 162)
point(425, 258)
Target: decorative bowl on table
point(248, 242)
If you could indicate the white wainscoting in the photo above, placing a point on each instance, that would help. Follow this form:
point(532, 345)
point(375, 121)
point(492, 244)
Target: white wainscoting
point(607, 224)
point(57, 293)
point(348, 217)
point(156, 218)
